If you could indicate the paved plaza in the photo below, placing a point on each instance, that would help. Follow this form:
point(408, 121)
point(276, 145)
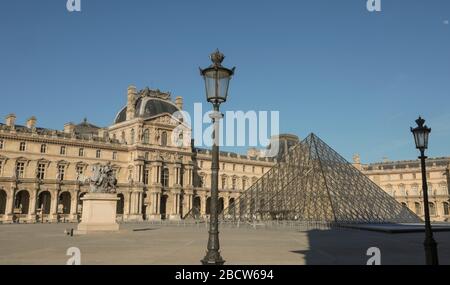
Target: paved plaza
point(155, 244)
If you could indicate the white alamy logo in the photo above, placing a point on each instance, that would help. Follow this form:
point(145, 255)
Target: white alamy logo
point(75, 256)
point(374, 5)
point(375, 254)
point(73, 5)
point(242, 129)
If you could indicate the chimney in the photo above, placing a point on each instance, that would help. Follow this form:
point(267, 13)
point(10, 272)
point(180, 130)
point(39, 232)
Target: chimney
point(131, 101)
point(179, 102)
point(69, 128)
point(357, 161)
point(31, 122)
point(103, 133)
point(10, 120)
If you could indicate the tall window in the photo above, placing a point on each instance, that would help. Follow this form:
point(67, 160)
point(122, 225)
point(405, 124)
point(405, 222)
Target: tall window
point(61, 171)
point(41, 171)
point(146, 155)
point(401, 189)
point(132, 136)
point(165, 177)
point(243, 168)
point(22, 146)
point(146, 136)
point(202, 181)
point(80, 170)
point(20, 169)
point(1, 144)
point(253, 169)
point(122, 137)
point(432, 209)
point(146, 175)
point(446, 208)
point(81, 152)
point(417, 208)
point(233, 183)
point(43, 148)
point(234, 167)
point(415, 189)
point(1, 167)
point(114, 155)
point(164, 139)
point(244, 183)
point(98, 153)
point(444, 190)
point(224, 182)
point(62, 150)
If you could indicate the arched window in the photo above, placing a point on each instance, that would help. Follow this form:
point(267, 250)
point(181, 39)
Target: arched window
point(446, 208)
point(132, 136)
point(417, 208)
point(164, 139)
point(146, 136)
point(404, 205)
point(432, 209)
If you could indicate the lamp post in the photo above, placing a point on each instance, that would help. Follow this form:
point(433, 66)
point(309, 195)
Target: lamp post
point(421, 133)
point(217, 79)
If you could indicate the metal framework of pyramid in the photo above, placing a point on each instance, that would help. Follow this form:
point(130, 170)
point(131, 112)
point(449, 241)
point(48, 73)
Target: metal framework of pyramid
point(313, 184)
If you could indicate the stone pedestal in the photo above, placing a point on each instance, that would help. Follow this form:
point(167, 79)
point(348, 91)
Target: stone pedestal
point(99, 213)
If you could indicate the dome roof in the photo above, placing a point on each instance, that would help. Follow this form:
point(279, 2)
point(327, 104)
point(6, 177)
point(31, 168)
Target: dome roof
point(86, 128)
point(147, 107)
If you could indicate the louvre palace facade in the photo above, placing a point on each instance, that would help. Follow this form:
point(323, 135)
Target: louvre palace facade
point(44, 172)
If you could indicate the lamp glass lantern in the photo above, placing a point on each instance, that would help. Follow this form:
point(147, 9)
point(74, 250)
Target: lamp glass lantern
point(421, 133)
point(217, 79)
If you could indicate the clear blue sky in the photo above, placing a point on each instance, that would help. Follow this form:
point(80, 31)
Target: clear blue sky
point(356, 79)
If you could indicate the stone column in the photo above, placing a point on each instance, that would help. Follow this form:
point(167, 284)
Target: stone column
point(203, 204)
point(153, 212)
point(226, 201)
point(32, 207)
point(8, 217)
point(54, 206)
point(74, 206)
point(175, 205)
point(127, 205)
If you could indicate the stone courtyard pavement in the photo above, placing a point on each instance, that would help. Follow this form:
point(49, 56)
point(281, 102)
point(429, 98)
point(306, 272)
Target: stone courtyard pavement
point(153, 244)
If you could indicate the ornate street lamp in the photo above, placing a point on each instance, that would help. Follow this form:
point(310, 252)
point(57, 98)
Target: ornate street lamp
point(421, 133)
point(217, 79)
